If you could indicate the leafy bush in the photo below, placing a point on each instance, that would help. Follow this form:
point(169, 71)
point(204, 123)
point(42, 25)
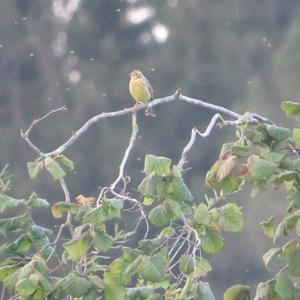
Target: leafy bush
point(96, 263)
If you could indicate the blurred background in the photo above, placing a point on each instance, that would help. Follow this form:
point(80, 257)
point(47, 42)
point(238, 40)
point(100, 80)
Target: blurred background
point(243, 55)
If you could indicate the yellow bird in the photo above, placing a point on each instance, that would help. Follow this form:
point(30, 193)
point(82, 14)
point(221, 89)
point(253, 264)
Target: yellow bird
point(140, 89)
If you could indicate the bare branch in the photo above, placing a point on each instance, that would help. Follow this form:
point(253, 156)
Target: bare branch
point(36, 121)
point(104, 115)
point(194, 133)
point(25, 135)
point(67, 198)
point(254, 118)
point(210, 106)
point(31, 145)
point(132, 140)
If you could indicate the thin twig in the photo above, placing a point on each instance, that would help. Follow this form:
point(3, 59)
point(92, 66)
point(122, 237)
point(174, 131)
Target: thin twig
point(179, 248)
point(67, 198)
point(192, 140)
point(36, 121)
point(59, 233)
point(25, 135)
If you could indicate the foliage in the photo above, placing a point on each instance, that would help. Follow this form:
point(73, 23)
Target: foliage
point(87, 260)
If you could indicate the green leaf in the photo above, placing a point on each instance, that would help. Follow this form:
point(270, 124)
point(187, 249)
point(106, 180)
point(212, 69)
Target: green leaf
point(65, 161)
point(92, 294)
point(179, 190)
point(284, 176)
point(174, 207)
point(115, 203)
point(27, 286)
point(20, 246)
point(130, 254)
point(270, 258)
point(268, 227)
point(96, 216)
point(260, 169)
point(7, 202)
point(41, 266)
point(116, 270)
point(266, 291)
point(7, 270)
point(273, 157)
point(160, 215)
point(280, 230)
point(294, 262)
point(226, 148)
point(201, 215)
point(75, 285)
point(205, 291)
point(163, 188)
point(278, 133)
point(14, 224)
point(54, 168)
point(148, 185)
point(288, 223)
point(132, 268)
point(230, 184)
point(237, 292)
point(158, 164)
point(202, 267)
point(148, 201)
point(148, 246)
point(167, 232)
point(77, 248)
point(37, 232)
point(34, 168)
point(111, 208)
point(113, 290)
point(211, 241)
point(186, 264)
point(230, 218)
point(284, 286)
point(291, 109)
point(287, 164)
point(59, 209)
point(296, 136)
point(34, 201)
point(242, 151)
point(20, 273)
point(102, 241)
point(153, 268)
point(139, 292)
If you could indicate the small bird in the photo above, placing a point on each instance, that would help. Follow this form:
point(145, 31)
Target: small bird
point(141, 90)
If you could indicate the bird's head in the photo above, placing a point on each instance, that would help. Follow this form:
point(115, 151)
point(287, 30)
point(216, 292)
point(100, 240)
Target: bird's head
point(135, 74)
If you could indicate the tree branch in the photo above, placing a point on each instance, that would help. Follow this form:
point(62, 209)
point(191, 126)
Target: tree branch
point(194, 133)
point(253, 119)
point(105, 115)
point(132, 140)
point(25, 135)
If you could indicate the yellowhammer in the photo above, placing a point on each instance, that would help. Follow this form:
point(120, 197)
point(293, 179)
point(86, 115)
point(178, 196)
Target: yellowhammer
point(140, 89)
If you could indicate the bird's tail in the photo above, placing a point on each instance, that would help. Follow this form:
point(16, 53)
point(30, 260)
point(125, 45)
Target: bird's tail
point(149, 111)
